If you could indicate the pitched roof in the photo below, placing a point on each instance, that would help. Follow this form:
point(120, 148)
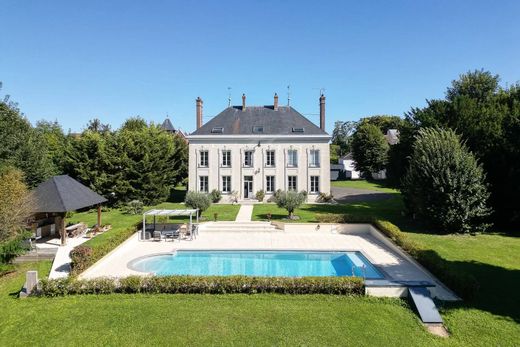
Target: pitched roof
point(167, 125)
point(234, 121)
point(63, 194)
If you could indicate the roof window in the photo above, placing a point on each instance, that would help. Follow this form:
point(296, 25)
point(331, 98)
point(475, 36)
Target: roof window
point(258, 129)
point(298, 130)
point(217, 130)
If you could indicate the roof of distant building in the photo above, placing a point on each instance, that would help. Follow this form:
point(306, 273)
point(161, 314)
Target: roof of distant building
point(167, 125)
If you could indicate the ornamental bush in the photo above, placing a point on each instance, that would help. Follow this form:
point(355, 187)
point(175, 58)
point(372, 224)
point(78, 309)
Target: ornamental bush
point(290, 200)
point(197, 200)
point(215, 195)
point(80, 258)
point(260, 195)
point(445, 185)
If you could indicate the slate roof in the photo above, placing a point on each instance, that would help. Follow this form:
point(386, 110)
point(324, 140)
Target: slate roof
point(167, 125)
point(280, 122)
point(63, 194)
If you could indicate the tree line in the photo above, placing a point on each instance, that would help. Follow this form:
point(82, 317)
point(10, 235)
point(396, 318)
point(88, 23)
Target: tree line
point(470, 143)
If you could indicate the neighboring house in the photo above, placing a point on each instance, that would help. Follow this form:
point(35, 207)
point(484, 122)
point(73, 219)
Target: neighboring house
point(245, 149)
point(168, 127)
point(346, 168)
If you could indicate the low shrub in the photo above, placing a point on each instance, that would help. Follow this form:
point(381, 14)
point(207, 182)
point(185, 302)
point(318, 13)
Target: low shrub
point(205, 285)
point(6, 269)
point(133, 207)
point(215, 195)
point(13, 248)
point(324, 197)
point(342, 218)
point(80, 257)
point(260, 195)
point(197, 200)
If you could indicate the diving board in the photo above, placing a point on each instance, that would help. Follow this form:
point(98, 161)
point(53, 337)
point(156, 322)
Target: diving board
point(425, 305)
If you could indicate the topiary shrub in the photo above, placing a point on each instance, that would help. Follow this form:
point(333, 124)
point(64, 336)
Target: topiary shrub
point(80, 258)
point(290, 200)
point(445, 185)
point(260, 195)
point(215, 195)
point(197, 200)
point(324, 197)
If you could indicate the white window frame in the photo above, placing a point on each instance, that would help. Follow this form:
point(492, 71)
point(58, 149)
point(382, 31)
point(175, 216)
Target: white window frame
point(272, 183)
point(292, 158)
point(268, 162)
point(203, 183)
point(226, 163)
point(315, 185)
point(314, 158)
point(203, 158)
point(251, 159)
point(289, 178)
point(224, 184)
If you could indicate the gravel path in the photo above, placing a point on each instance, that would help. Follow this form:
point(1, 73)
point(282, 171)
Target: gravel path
point(346, 195)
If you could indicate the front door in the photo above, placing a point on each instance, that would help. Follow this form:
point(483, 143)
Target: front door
point(248, 187)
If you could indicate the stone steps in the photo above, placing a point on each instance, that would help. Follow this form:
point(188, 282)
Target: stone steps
point(237, 226)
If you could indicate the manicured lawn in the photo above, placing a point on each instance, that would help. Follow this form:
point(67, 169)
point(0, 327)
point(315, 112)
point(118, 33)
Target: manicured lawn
point(364, 184)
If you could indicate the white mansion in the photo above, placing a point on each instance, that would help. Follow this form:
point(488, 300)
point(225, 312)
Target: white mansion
point(245, 149)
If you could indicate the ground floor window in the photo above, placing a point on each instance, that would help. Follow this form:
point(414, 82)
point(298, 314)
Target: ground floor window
point(269, 184)
point(203, 184)
point(291, 183)
point(226, 184)
point(315, 184)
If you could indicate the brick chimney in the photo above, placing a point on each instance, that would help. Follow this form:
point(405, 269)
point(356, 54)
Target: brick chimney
point(322, 112)
point(199, 112)
point(275, 105)
point(243, 102)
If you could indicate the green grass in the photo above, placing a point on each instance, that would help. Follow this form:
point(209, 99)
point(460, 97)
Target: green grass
point(364, 184)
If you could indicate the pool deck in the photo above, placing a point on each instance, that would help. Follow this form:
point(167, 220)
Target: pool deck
point(395, 264)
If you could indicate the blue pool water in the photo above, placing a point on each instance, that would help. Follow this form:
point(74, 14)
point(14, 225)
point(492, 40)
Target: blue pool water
point(258, 263)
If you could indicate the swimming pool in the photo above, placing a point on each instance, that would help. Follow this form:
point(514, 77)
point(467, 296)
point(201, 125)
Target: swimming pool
point(258, 263)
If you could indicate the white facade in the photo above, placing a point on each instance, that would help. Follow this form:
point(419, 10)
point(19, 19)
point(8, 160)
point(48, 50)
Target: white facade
point(300, 162)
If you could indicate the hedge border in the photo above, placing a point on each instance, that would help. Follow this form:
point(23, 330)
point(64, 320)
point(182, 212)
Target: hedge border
point(203, 285)
point(464, 284)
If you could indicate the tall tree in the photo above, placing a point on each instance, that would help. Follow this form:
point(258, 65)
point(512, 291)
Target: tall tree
point(55, 142)
point(383, 122)
point(342, 136)
point(369, 149)
point(444, 184)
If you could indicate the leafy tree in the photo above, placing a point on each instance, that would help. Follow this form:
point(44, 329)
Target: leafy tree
point(369, 149)
point(290, 200)
point(383, 122)
point(445, 185)
point(15, 203)
point(96, 126)
point(197, 200)
point(487, 118)
point(22, 146)
point(134, 123)
point(55, 142)
point(342, 136)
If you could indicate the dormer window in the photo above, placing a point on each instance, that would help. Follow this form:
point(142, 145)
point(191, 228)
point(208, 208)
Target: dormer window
point(258, 129)
point(217, 130)
point(298, 130)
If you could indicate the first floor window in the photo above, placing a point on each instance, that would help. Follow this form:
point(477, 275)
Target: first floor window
point(269, 184)
point(315, 184)
point(248, 158)
point(203, 162)
point(292, 158)
point(291, 183)
point(269, 158)
point(314, 158)
point(226, 184)
point(226, 158)
point(203, 184)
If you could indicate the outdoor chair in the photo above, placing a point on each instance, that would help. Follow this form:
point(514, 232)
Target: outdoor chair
point(157, 236)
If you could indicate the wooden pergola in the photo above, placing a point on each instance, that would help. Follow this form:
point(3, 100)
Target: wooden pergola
point(61, 194)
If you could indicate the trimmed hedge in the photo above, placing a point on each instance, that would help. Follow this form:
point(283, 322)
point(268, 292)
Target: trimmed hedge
point(204, 285)
point(88, 255)
point(464, 284)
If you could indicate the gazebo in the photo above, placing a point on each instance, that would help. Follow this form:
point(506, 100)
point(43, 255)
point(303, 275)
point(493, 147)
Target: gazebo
point(167, 213)
point(59, 195)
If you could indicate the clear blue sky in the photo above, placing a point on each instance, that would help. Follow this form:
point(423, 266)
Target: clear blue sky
point(76, 60)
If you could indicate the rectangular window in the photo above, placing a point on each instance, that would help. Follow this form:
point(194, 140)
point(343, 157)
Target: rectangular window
point(314, 158)
point(291, 183)
point(226, 184)
point(248, 158)
point(315, 184)
point(203, 184)
point(269, 184)
point(292, 158)
point(226, 158)
point(203, 162)
point(269, 158)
